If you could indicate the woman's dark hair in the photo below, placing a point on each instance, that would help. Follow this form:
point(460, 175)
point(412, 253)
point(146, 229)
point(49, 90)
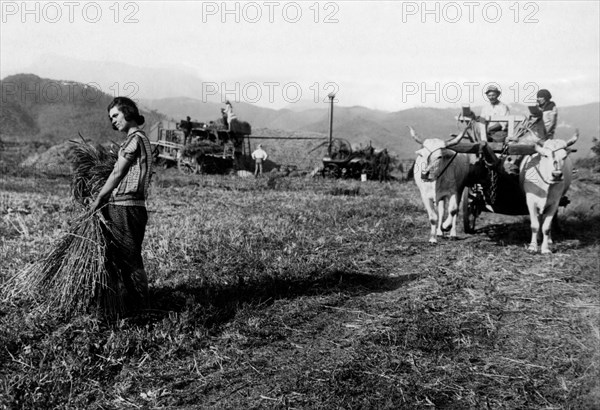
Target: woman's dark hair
point(544, 93)
point(128, 108)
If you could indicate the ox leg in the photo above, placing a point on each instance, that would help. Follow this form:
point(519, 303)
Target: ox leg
point(535, 223)
point(548, 217)
point(450, 221)
point(440, 217)
point(554, 227)
point(433, 219)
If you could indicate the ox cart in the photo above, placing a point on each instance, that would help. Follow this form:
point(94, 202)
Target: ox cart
point(493, 183)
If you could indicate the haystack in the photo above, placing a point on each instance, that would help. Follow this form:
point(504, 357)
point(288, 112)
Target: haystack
point(74, 277)
point(51, 161)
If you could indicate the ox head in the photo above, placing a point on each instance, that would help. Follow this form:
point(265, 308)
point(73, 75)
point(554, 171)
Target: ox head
point(434, 155)
point(553, 154)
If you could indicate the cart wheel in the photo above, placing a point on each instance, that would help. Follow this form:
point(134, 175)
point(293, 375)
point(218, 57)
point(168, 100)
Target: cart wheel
point(332, 171)
point(470, 211)
point(369, 170)
point(186, 167)
point(162, 163)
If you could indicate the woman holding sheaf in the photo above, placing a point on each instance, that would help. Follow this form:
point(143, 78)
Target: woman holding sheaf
point(122, 201)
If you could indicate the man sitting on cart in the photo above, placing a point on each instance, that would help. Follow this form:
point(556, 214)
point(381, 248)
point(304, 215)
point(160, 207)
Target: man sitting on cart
point(494, 131)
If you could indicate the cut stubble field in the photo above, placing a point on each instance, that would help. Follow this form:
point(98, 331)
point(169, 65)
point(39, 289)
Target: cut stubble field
point(310, 293)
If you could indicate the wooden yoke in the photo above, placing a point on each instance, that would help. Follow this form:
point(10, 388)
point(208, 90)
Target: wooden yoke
point(514, 125)
point(511, 120)
point(513, 149)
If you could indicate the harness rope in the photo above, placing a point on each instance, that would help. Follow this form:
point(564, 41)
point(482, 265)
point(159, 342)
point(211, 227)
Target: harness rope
point(447, 165)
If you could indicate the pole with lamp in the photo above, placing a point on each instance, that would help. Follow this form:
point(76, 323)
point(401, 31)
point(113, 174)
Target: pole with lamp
point(331, 97)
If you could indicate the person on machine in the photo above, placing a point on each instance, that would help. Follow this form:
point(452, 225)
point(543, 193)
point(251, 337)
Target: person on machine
point(231, 117)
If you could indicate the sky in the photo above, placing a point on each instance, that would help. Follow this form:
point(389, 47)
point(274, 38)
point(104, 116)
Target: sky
point(387, 55)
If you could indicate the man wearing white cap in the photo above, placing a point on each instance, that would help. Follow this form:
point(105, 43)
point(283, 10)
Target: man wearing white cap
point(496, 131)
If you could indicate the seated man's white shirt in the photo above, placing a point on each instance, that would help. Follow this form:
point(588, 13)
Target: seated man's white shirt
point(499, 109)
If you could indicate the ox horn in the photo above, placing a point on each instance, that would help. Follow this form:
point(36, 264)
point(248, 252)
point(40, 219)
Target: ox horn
point(414, 135)
point(539, 149)
point(455, 140)
point(574, 138)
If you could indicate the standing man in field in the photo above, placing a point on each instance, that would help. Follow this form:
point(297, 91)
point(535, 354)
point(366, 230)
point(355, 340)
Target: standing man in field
point(384, 165)
point(259, 156)
point(187, 129)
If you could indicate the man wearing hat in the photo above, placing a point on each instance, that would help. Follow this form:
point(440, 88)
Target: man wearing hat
point(549, 113)
point(496, 131)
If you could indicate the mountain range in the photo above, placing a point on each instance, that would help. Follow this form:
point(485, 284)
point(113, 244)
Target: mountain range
point(42, 109)
point(35, 108)
point(363, 126)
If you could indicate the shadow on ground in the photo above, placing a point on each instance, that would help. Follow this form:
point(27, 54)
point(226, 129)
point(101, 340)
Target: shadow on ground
point(218, 304)
point(584, 228)
point(516, 233)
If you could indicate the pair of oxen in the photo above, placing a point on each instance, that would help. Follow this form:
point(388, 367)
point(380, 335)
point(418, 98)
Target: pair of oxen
point(441, 175)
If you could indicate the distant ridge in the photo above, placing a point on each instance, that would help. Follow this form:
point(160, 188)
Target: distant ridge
point(35, 108)
point(362, 125)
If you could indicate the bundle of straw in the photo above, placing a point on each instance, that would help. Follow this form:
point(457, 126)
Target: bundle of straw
point(75, 277)
point(91, 166)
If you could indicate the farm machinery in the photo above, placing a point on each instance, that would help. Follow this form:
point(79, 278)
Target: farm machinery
point(196, 147)
point(342, 161)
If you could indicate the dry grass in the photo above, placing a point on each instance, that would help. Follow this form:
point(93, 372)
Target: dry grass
point(316, 294)
point(73, 277)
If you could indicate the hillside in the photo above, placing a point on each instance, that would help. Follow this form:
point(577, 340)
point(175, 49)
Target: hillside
point(361, 125)
point(16, 120)
point(40, 109)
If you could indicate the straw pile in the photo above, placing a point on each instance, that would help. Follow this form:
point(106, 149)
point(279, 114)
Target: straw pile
point(74, 277)
point(201, 148)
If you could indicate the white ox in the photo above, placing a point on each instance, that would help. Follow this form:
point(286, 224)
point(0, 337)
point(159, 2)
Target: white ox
point(545, 177)
point(440, 174)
